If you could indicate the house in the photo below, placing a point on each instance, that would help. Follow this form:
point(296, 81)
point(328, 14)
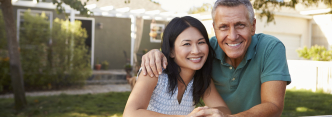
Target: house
point(119, 32)
point(111, 28)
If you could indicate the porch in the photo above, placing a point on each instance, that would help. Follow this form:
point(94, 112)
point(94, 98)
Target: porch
point(112, 76)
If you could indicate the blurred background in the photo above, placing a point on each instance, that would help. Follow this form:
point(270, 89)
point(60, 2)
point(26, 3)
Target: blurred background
point(78, 57)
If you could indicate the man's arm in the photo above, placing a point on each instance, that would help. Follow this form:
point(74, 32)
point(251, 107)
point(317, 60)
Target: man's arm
point(274, 78)
point(212, 99)
point(151, 63)
point(272, 96)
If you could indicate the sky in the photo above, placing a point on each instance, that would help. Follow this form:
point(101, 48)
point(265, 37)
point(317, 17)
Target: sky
point(181, 5)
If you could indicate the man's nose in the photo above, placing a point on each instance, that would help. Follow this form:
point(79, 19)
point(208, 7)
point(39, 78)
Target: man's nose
point(232, 34)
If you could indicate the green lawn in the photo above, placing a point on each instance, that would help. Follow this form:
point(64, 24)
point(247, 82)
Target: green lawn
point(306, 103)
point(88, 105)
point(297, 103)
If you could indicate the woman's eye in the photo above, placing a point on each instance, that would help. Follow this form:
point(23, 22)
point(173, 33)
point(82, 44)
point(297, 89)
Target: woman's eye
point(202, 42)
point(186, 44)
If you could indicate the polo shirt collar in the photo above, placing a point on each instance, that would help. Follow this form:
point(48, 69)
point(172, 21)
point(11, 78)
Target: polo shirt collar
point(220, 54)
point(252, 48)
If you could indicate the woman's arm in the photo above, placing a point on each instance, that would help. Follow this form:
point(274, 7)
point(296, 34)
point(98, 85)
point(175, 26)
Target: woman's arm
point(139, 99)
point(212, 99)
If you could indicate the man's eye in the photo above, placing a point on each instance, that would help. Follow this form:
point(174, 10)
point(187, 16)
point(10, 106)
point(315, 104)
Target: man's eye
point(186, 44)
point(223, 27)
point(240, 26)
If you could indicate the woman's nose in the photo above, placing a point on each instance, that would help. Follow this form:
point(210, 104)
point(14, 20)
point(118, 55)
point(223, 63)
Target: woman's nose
point(195, 49)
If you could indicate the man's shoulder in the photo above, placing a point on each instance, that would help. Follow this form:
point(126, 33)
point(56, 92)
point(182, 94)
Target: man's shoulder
point(266, 38)
point(266, 41)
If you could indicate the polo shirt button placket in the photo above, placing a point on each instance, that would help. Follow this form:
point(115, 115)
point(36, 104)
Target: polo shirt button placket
point(230, 67)
point(233, 79)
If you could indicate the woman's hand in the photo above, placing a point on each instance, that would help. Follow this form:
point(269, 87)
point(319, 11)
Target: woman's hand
point(214, 113)
point(210, 112)
point(195, 113)
point(206, 112)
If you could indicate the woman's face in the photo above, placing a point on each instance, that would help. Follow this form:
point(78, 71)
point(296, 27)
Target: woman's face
point(190, 49)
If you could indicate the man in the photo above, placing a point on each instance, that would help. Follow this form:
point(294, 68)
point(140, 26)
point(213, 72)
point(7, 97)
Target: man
point(250, 70)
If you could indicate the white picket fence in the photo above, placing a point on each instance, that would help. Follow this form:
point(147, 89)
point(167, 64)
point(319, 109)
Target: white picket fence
point(310, 75)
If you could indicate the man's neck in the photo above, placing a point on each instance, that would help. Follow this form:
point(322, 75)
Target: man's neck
point(234, 61)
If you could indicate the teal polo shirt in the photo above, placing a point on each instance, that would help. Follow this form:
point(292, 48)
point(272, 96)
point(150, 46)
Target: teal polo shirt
point(265, 60)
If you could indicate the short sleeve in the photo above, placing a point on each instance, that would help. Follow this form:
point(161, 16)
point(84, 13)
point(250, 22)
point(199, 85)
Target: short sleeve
point(275, 64)
point(139, 72)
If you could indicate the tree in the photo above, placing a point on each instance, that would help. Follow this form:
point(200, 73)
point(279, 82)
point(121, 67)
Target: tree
point(16, 72)
point(203, 8)
point(268, 6)
point(14, 55)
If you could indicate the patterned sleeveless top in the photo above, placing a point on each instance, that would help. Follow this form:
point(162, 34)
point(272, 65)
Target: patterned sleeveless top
point(162, 102)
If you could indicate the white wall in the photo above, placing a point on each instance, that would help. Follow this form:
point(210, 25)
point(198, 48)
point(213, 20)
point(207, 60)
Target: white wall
point(294, 32)
point(322, 30)
point(310, 75)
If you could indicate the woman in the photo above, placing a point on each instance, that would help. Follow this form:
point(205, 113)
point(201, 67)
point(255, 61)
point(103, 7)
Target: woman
point(186, 79)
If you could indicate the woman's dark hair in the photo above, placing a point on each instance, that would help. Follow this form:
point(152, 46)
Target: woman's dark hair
point(202, 77)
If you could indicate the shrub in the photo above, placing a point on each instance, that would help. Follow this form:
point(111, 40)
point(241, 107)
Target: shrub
point(316, 53)
point(4, 59)
point(5, 81)
point(105, 65)
point(70, 58)
point(50, 58)
point(34, 37)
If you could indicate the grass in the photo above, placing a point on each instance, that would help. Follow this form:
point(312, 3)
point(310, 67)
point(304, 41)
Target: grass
point(88, 105)
point(297, 103)
point(307, 103)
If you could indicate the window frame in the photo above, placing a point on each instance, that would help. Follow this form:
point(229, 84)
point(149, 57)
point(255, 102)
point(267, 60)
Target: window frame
point(18, 23)
point(158, 32)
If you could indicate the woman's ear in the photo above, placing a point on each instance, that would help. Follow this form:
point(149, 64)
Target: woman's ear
point(172, 54)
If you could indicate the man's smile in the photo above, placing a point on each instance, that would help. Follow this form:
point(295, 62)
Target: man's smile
point(233, 45)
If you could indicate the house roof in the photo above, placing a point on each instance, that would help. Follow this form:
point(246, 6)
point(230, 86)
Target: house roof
point(134, 4)
point(118, 8)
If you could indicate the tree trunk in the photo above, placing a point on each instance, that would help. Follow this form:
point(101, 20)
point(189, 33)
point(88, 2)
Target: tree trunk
point(16, 72)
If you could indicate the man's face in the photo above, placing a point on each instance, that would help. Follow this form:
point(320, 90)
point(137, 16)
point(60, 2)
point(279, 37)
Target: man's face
point(233, 30)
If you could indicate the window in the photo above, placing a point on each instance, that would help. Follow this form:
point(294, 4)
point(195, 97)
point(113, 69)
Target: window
point(36, 0)
point(20, 18)
point(47, 0)
point(156, 31)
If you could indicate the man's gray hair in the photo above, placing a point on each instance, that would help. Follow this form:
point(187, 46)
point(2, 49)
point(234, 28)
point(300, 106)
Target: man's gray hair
point(234, 3)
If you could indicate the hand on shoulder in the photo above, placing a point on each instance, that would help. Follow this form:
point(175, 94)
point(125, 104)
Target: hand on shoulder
point(152, 63)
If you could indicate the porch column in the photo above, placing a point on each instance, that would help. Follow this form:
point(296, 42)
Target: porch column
point(133, 36)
